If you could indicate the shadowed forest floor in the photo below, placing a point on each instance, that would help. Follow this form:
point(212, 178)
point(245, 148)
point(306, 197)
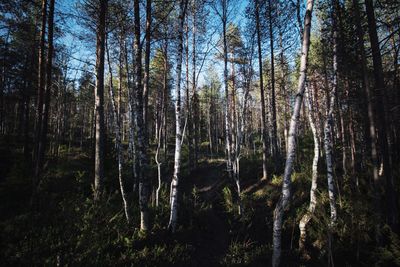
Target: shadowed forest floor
point(66, 227)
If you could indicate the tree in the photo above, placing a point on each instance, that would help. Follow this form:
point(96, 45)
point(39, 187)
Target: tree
point(178, 135)
point(274, 136)
point(46, 104)
point(371, 115)
point(118, 142)
point(392, 214)
point(260, 68)
point(41, 82)
point(285, 196)
point(141, 133)
point(99, 101)
point(313, 198)
point(147, 64)
point(328, 127)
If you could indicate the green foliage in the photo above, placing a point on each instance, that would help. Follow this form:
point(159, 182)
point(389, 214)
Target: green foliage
point(246, 253)
point(389, 253)
point(227, 199)
point(69, 228)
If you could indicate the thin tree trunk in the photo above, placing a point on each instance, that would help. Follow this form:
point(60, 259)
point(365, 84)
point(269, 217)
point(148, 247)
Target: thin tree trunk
point(141, 138)
point(165, 99)
point(131, 118)
point(329, 125)
point(99, 102)
point(195, 115)
point(263, 115)
point(274, 136)
point(392, 214)
point(46, 104)
point(118, 145)
point(161, 121)
point(41, 84)
point(371, 115)
point(188, 106)
point(147, 68)
point(177, 164)
point(313, 198)
point(285, 196)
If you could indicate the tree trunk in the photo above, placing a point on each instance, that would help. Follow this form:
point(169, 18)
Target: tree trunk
point(99, 102)
point(228, 140)
point(160, 124)
point(392, 212)
point(285, 196)
point(263, 115)
point(118, 145)
point(329, 125)
point(141, 138)
point(131, 118)
point(46, 107)
point(371, 115)
point(274, 136)
point(147, 68)
point(41, 83)
point(188, 120)
point(177, 164)
point(313, 198)
point(195, 115)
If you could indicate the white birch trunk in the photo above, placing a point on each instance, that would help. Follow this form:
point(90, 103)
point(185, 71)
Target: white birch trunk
point(228, 140)
point(285, 196)
point(328, 130)
point(177, 163)
point(117, 129)
point(159, 135)
point(313, 198)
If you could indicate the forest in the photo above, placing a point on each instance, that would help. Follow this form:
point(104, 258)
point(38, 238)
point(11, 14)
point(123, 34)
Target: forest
point(199, 133)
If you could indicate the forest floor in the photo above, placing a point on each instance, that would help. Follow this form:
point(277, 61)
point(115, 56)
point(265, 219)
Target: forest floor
point(211, 232)
point(67, 228)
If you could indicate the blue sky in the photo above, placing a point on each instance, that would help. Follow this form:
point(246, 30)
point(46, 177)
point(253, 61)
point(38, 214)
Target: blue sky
point(83, 51)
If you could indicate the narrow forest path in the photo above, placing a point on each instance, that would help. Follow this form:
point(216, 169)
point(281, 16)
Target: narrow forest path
point(213, 240)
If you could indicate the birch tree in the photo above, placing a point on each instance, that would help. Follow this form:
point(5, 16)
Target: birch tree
point(178, 135)
point(141, 132)
point(118, 142)
point(314, 176)
point(283, 202)
point(328, 126)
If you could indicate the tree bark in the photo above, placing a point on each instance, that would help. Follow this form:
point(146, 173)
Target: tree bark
point(392, 212)
point(141, 132)
point(118, 144)
point(329, 125)
point(41, 83)
point(313, 198)
point(274, 137)
point(263, 113)
point(178, 136)
point(99, 102)
point(195, 115)
point(147, 67)
point(371, 115)
point(285, 196)
point(46, 104)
